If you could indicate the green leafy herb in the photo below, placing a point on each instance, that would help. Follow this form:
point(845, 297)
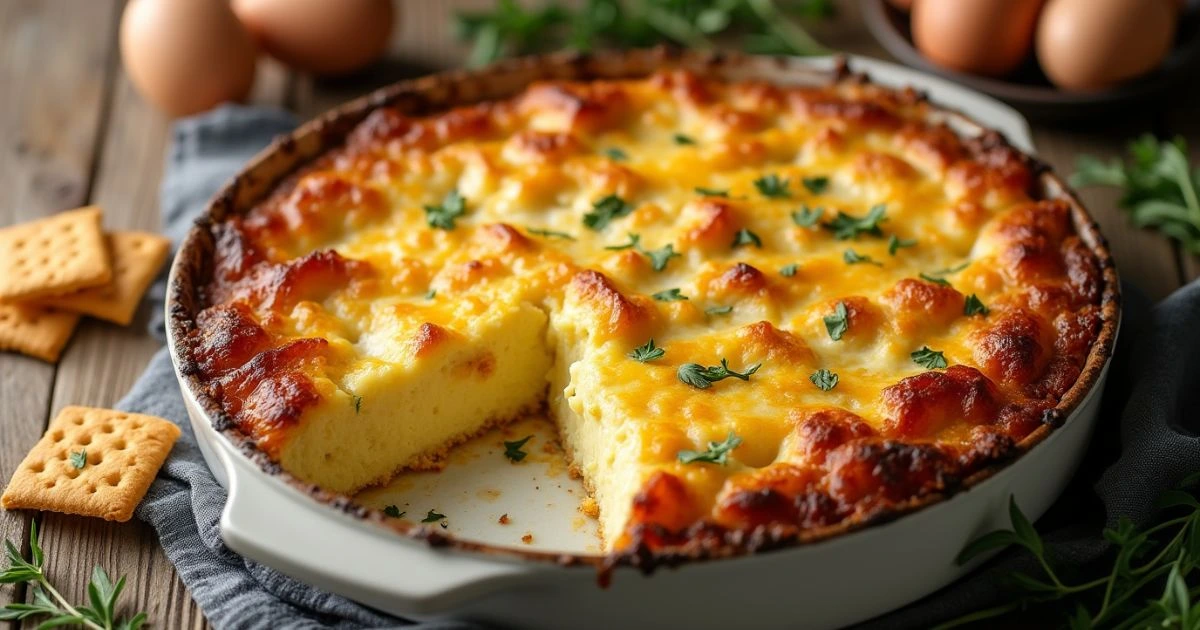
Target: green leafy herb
point(815, 185)
point(712, 192)
point(934, 279)
point(974, 306)
point(932, 359)
point(838, 323)
point(660, 257)
point(633, 242)
point(938, 277)
point(824, 379)
point(683, 140)
point(717, 453)
point(746, 237)
point(433, 517)
point(772, 186)
point(512, 27)
point(847, 226)
point(718, 310)
point(1160, 190)
point(99, 614)
point(853, 258)
point(549, 233)
point(357, 404)
point(896, 243)
point(616, 154)
point(604, 210)
point(646, 352)
point(79, 459)
point(807, 217)
point(393, 511)
point(432, 293)
point(787, 271)
point(670, 295)
point(512, 450)
point(702, 377)
point(442, 217)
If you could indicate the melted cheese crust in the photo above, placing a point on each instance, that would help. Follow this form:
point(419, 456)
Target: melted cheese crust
point(339, 274)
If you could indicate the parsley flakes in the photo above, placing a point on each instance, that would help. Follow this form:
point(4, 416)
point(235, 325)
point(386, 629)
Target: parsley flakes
point(838, 323)
point(393, 511)
point(616, 154)
point(853, 258)
point(702, 377)
point(717, 453)
point(847, 226)
point(549, 233)
point(824, 379)
point(604, 210)
point(934, 279)
point(895, 243)
point(974, 306)
point(746, 237)
point(432, 517)
point(682, 139)
point(815, 185)
point(712, 192)
point(79, 460)
point(442, 217)
point(660, 257)
point(807, 217)
point(646, 352)
point(927, 358)
point(512, 450)
point(772, 186)
point(718, 310)
point(670, 295)
point(633, 242)
point(787, 271)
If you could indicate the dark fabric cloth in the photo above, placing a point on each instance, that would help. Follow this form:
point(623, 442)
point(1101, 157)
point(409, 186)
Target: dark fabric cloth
point(1146, 440)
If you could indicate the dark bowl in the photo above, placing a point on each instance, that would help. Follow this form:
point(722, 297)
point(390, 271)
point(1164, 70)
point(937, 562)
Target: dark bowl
point(1028, 89)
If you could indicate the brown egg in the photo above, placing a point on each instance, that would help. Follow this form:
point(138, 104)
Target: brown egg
point(319, 36)
point(988, 37)
point(1088, 45)
point(186, 56)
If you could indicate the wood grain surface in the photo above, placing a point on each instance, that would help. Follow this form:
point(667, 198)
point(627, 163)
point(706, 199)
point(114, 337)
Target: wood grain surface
point(73, 131)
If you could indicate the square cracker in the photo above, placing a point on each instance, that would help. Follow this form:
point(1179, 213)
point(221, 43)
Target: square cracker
point(55, 255)
point(136, 259)
point(123, 452)
point(36, 331)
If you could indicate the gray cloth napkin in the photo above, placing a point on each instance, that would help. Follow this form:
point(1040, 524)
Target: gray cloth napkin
point(1152, 384)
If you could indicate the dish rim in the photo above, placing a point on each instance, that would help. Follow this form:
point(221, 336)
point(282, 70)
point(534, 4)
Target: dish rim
point(288, 153)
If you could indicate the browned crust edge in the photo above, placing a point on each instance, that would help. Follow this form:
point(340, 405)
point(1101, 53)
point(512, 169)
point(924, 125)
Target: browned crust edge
point(436, 92)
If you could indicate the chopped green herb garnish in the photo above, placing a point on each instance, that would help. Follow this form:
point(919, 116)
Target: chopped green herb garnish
point(936, 276)
point(772, 186)
point(717, 453)
point(549, 233)
point(931, 359)
point(660, 257)
point(787, 271)
point(682, 139)
point(896, 243)
point(934, 279)
point(646, 352)
point(79, 459)
point(433, 517)
point(815, 185)
point(853, 258)
point(824, 379)
point(974, 306)
point(442, 217)
point(633, 242)
point(838, 323)
point(357, 404)
point(430, 294)
point(746, 237)
point(670, 295)
point(712, 192)
point(718, 310)
point(393, 511)
point(702, 377)
point(604, 210)
point(807, 217)
point(512, 450)
point(847, 226)
point(616, 154)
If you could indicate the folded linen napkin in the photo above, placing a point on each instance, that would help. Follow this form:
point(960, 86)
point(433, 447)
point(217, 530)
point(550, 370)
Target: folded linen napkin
point(1152, 384)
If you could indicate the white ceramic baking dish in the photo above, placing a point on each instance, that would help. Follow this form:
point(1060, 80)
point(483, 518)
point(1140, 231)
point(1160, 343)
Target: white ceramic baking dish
point(468, 574)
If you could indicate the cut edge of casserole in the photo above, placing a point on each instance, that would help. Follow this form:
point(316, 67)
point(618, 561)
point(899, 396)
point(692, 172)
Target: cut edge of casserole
point(806, 468)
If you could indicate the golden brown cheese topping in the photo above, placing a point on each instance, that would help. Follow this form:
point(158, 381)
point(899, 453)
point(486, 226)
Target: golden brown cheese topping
point(850, 307)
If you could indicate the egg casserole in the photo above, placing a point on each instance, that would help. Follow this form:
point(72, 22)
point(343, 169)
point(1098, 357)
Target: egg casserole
point(753, 310)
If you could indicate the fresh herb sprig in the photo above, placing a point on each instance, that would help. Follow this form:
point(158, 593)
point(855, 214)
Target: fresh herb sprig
point(764, 25)
point(100, 614)
point(442, 216)
point(512, 450)
point(646, 352)
point(702, 377)
point(1151, 582)
point(1160, 189)
point(717, 452)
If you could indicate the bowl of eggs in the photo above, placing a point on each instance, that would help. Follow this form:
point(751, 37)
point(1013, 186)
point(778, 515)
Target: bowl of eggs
point(1052, 59)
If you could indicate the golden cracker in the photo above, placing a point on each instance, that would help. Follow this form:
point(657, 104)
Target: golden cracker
point(36, 331)
point(136, 259)
point(121, 454)
point(55, 255)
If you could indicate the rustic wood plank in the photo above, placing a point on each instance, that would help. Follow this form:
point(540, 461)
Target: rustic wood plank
point(51, 110)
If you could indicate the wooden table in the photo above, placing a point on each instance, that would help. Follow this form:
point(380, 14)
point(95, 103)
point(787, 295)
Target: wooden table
point(74, 132)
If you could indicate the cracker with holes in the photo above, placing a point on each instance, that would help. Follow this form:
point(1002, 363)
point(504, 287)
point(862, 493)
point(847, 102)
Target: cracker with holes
point(35, 331)
point(92, 462)
point(136, 259)
point(59, 254)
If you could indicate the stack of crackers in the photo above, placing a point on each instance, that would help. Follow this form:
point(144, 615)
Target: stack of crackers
point(56, 269)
